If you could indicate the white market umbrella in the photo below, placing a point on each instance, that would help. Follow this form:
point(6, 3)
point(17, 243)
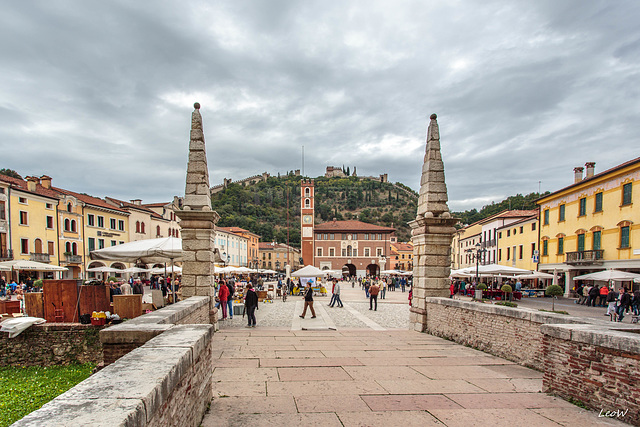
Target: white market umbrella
point(606, 275)
point(491, 269)
point(308, 271)
point(136, 270)
point(103, 269)
point(536, 275)
point(23, 264)
point(4, 268)
point(165, 270)
point(244, 270)
point(147, 251)
point(391, 272)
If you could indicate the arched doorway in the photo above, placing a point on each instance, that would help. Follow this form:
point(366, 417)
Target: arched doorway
point(119, 265)
point(94, 264)
point(373, 270)
point(349, 270)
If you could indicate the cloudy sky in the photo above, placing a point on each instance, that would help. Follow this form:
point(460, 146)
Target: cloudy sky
point(98, 94)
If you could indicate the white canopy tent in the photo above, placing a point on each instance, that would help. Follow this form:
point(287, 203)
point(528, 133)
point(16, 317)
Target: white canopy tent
point(493, 269)
point(26, 265)
point(536, 275)
point(165, 270)
point(146, 251)
point(103, 269)
point(309, 271)
point(607, 275)
point(136, 270)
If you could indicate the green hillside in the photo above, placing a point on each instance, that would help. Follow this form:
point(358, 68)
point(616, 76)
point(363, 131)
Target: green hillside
point(518, 202)
point(262, 207)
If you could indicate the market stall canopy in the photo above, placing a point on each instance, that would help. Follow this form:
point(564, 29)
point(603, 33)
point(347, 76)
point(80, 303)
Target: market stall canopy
point(606, 275)
point(23, 264)
point(4, 268)
point(334, 273)
point(244, 270)
point(391, 272)
point(105, 270)
point(136, 270)
point(166, 270)
point(146, 251)
point(308, 271)
point(494, 269)
point(536, 275)
point(267, 271)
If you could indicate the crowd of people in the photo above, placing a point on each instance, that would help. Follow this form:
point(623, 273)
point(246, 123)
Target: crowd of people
point(618, 303)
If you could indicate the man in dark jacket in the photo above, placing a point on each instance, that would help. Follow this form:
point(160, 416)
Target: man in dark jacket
point(594, 293)
point(251, 305)
point(308, 301)
point(625, 302)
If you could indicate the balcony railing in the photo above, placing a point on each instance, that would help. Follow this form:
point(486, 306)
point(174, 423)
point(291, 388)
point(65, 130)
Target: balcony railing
point(73, 259)
point(6, 254)
point(585, 257)
point(39, 257)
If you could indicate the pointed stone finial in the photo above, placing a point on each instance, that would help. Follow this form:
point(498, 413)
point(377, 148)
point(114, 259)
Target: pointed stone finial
point(433, 189)
point(197, 194)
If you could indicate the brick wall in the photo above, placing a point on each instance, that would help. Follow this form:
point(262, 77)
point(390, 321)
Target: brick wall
point(600, 368)
point(52, 344)
point(502, 331)
point(588, 360)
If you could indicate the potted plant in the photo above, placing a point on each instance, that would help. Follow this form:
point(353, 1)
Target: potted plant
point(554, 291)
point(507, 289)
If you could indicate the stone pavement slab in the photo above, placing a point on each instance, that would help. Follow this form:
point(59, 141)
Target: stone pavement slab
point(315, 373)
point(388, 419)
point(389, 378)
point(324, 403)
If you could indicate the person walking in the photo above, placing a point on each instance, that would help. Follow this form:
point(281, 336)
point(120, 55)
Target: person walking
point(373, 292)
point(625, 302)
point(367, 285)
point(403, 283)
point(232, 290)
point(603, 295)
point(336, 293)
point(383, 288)
point(333, 294)
point(251, 305)
point(612, 297)
point(308, 301)
point(223, 295)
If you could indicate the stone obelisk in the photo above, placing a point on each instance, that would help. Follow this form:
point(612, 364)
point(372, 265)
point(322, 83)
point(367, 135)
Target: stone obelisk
point(432, 232)
point(197, 220)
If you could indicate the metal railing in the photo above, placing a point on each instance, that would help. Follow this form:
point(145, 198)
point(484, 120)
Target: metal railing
point(38, 257)
point(585, 257)
point(75, 259)
point(6, 254)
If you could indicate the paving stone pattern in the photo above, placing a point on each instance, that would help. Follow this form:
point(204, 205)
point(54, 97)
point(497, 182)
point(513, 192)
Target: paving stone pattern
point(276, 377)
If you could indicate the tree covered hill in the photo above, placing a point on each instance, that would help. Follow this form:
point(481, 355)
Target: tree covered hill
point(518, 202)
point(262, 207)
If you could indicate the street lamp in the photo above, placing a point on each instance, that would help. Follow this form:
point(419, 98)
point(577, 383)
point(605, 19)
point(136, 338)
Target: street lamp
point(477, 253)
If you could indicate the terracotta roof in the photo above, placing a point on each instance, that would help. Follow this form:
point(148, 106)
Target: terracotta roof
point(128, 205)
point(230, 230)
point(351, 225)
point(156, 205)
point(402, 246)
point(21, 184)
point(272, 246)
point(241, 230)
point(90, 200)
point(596, 176)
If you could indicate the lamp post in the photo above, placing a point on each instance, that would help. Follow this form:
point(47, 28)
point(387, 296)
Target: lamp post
point(476, 254)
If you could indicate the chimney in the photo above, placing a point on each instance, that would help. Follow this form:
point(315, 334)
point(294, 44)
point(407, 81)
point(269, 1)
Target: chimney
point(577, 174)
point(591, 169)
point(32, 182)
point(136, 202)
point(46, 181)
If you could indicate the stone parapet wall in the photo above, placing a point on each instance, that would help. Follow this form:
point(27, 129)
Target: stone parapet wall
point(601, 368)
point(52, 344)
point(167, 381)
point(588, 360)
point(120, 339)
point(513, 334)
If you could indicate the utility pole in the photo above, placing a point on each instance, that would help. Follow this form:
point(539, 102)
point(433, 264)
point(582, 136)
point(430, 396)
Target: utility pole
point(303, 161)
point(288, 256)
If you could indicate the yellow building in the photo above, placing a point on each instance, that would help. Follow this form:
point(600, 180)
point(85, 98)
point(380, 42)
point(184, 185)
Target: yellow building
point(518, 243)
point(102, 225)
point(251, 246)
point(273, 256)
point(30, 224)
point(401, 256)
point(591, 225)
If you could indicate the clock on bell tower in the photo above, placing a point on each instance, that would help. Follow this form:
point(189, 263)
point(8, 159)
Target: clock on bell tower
point(307, 220)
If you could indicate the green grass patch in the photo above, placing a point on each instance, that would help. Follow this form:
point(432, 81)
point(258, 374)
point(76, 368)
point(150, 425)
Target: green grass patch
point(507, 303)
point(556, 311)
point(25, 389)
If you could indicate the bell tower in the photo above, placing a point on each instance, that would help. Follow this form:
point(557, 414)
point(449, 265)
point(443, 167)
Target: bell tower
point(307, 215)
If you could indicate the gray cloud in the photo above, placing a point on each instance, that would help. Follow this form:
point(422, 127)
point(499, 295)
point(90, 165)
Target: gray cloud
point(98, 94)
